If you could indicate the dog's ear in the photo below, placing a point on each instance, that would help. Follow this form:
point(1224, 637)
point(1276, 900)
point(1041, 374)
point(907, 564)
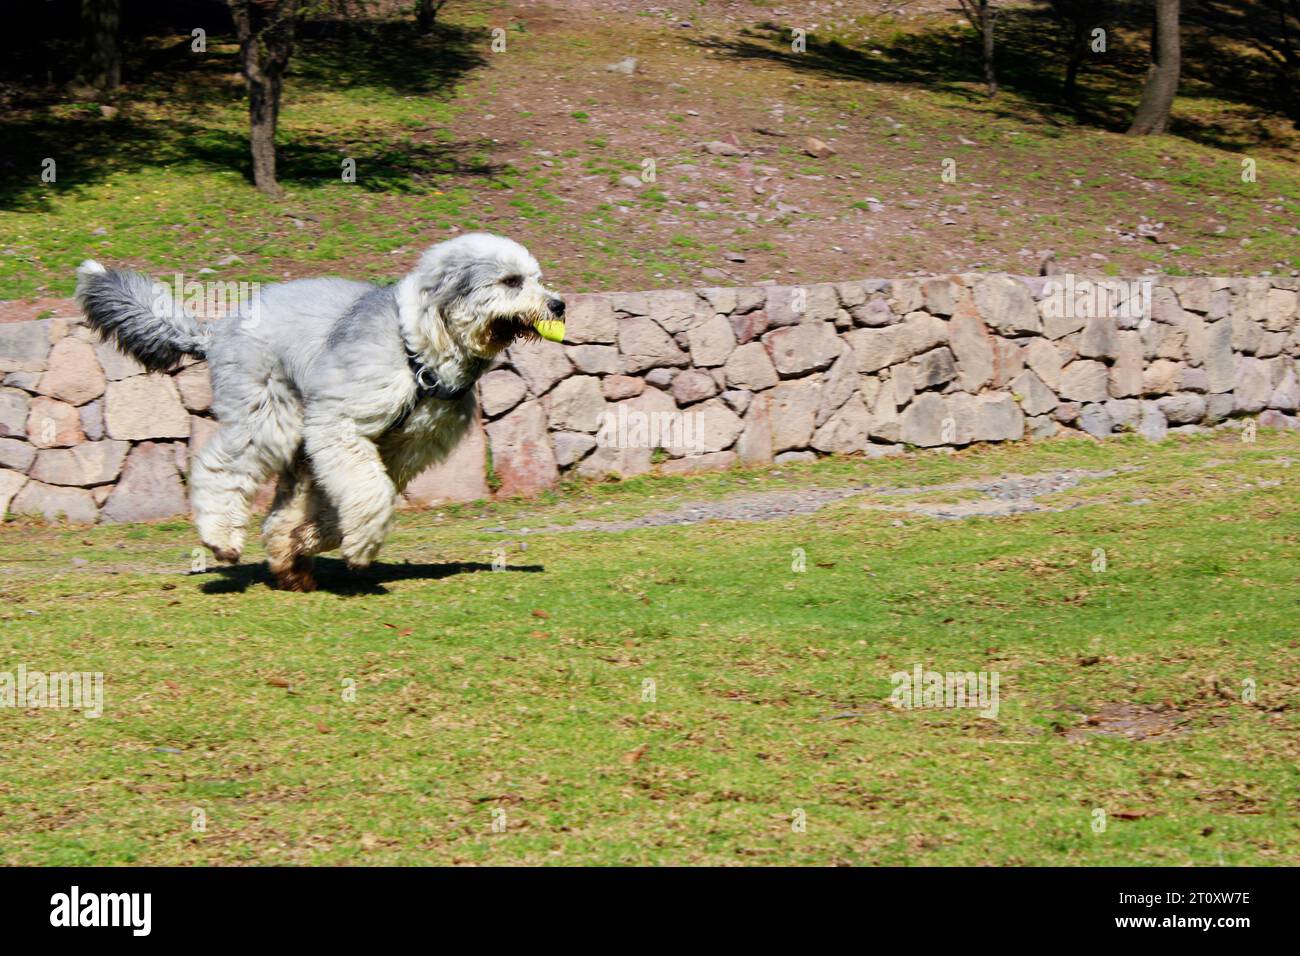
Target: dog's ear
point(419, 311)
point(433, 296)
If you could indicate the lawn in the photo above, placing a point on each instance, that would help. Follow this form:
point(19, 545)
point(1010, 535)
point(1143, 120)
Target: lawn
point(682, 694)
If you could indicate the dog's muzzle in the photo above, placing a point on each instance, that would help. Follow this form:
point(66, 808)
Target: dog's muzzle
point(552, 329)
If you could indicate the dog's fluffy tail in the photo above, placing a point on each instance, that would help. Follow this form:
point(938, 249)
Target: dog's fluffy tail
point(139, 315)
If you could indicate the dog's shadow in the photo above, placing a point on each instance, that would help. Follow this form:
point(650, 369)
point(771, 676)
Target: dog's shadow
point(334, 577)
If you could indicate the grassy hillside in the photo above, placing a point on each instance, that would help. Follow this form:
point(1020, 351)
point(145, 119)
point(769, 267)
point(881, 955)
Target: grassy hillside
point(533, 141)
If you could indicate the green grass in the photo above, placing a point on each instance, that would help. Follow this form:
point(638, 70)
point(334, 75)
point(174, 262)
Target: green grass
point(522, 691)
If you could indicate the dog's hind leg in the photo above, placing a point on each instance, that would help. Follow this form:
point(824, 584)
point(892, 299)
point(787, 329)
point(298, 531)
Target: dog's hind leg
point(224, 477)
point(239, 457)
point(300, 524)
point(290, 566)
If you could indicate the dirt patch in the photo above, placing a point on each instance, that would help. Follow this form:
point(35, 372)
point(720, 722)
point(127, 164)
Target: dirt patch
point(818, 15)
point(21, 310)
point(1133, 722)
point(769, 211)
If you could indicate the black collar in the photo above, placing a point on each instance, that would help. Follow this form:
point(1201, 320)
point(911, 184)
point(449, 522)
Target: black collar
point(427, 384)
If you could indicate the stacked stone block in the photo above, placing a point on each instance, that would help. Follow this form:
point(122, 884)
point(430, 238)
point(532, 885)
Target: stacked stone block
point(768, 373)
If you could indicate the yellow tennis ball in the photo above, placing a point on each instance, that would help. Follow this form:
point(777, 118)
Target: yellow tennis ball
point(551, 329)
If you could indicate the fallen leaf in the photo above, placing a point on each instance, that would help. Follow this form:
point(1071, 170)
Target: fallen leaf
point(632, 757)
point(278, 682)
point(538, 612)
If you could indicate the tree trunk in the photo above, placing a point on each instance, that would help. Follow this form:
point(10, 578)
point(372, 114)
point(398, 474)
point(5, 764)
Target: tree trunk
point(101, 45)
point(264, 115)
point(981, 14)
point(1078, 43)
point(987, 16)
point(265, 30)
point(426, 13)
point(1162, 76)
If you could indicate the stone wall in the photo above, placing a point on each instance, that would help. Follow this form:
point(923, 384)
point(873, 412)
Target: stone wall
point(750, 375)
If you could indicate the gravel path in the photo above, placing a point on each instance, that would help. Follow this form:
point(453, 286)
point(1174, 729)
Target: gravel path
point(1005, 495)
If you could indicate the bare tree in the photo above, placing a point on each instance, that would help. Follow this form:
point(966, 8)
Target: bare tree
point(1075, 17)
point(426, 13)
point(982, 14)
point(265, 29)
point(1162, 76)
point(101, 61)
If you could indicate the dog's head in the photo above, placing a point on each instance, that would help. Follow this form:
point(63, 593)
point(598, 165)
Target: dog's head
point(483, 291)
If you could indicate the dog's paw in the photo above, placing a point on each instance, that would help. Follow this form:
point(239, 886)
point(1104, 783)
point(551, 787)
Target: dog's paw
point(359, 555)
point(360, 561)
point(296, 577)
point(225, 555)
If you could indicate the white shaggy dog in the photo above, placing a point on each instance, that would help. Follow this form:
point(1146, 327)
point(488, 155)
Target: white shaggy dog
point(347, 390)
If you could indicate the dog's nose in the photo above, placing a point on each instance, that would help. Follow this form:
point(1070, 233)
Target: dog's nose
point(556, 306)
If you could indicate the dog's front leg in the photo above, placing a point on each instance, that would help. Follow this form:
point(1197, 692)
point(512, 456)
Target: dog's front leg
point(347, 465)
